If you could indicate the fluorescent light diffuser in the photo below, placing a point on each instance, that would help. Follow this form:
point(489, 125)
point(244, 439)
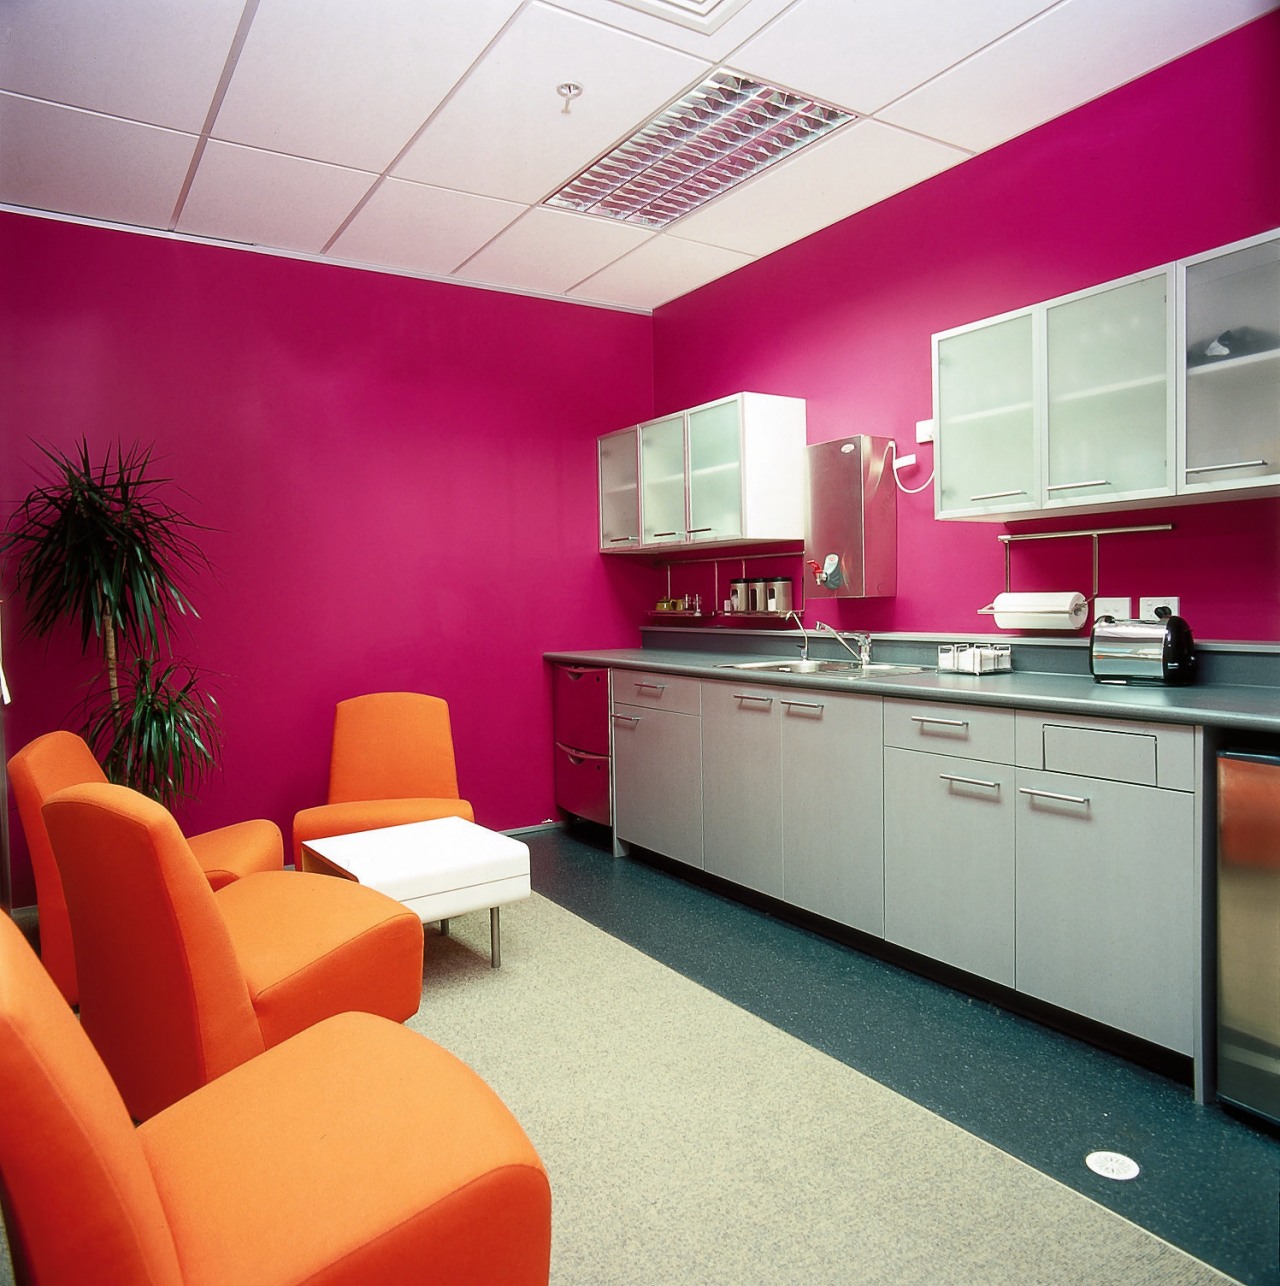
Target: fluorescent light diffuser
point(726, 130)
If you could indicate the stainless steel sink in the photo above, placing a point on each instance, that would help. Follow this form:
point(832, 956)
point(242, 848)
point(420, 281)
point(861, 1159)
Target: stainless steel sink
point(851, 669)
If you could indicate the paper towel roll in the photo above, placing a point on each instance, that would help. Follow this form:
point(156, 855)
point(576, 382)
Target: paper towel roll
point(1064, 611)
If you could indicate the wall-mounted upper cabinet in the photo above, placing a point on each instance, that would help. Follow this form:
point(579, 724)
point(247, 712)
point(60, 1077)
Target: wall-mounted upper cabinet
point(1230, 368)
point(1065, 405)
point(1159, 388)
point(729, 473)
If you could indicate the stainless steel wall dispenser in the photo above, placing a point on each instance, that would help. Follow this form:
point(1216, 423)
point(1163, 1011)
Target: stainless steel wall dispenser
point(851, 519)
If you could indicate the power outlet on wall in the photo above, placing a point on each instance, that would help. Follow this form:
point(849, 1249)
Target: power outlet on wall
point(1120, 608)
point(1147, 607)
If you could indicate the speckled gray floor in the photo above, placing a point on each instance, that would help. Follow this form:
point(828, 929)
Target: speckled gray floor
point(1210, 1182)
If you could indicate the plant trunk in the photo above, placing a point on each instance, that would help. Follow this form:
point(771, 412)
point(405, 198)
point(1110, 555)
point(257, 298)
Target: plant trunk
point(113, 677)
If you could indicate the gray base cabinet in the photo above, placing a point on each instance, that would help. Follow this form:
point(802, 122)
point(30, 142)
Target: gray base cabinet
point(742, 785)
point(949, 853)
point(832, 810)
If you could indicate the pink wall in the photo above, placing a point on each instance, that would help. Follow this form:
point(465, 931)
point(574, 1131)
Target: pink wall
point(1175, 163)
point(399, 477)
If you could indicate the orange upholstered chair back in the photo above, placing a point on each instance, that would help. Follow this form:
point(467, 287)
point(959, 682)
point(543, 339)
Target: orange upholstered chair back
point(40, 769)
point(392, 745)
point(80, 1202)
point(162, 995)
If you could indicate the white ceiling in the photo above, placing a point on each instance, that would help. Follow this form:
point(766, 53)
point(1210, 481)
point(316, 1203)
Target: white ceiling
point(421, 135)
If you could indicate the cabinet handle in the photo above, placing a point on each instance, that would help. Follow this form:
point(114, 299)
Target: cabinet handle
point(1049, 794)
point(1238, 464)
point(657, 687)
point(622, 540)
point(1075, 486)
point(968, 781)
point(804, 705)
point(626, 718)
point(658, 534)
point(696, 531)
point(997, 495)
point(752, 696)
point(946, 723)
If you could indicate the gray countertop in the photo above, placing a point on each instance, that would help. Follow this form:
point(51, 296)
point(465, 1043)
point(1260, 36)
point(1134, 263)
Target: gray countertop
point(1219, 705)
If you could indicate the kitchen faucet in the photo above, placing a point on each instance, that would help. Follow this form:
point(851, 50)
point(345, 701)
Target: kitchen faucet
point(804, 647)
point(863, 640)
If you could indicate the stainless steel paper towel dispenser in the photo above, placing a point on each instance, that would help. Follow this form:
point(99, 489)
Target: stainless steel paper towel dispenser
point(851, 519)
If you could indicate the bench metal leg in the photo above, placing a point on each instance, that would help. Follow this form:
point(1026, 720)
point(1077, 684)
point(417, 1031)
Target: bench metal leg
point(495, 938)
point(444, 928)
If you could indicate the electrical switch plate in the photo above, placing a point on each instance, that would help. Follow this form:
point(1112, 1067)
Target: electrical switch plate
point(1120, 608)
point(1147, 607)
point(924, 431)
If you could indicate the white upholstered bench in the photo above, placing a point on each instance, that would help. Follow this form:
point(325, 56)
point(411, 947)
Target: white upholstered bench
point(438, 869)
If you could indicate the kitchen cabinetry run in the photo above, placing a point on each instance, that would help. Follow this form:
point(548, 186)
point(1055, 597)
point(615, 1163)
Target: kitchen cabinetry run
point(1067, 404)
point(657, 749)
point(729, 473)
point(1230, 369)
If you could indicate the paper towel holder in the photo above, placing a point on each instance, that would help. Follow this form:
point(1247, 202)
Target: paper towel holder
point(1009, 538)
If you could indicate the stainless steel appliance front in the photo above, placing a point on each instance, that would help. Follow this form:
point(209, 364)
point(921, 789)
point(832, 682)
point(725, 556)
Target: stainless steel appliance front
point(851, 519)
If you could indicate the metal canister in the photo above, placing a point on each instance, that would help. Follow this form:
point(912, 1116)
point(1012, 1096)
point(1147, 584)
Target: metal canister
point(758, 589)
point(778, 595)
point(739, 595)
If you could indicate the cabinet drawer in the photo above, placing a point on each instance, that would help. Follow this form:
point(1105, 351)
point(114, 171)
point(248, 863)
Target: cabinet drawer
point(972, 732)
point(581, 704)
point(582, 784)
point(659, 691)
point(1142, 754)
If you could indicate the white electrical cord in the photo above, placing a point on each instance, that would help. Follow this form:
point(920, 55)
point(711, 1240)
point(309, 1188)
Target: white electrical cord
point(909, 491)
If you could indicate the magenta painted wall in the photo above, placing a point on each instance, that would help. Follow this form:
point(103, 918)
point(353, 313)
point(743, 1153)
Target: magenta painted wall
point(399, 477)
point(1178, 162)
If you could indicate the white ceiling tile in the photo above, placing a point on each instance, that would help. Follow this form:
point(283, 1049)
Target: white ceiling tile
point(550, 250)
point(661, 269)
point(1070, 55)
point(350, 82)
point(148, 60)
point(241, 194)
point(422, 229)
point(862, 54)
point(504, 132)
point(855, 167)
point(73, 162)
point(713, 45)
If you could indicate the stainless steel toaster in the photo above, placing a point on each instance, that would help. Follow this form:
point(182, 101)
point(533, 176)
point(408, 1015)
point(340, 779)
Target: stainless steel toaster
point(1158, 651)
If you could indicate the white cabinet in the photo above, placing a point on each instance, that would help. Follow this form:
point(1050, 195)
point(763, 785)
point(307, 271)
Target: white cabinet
point(657, 763)
point(1229, 368)
point(728, 473)
point(742, 785)
point(1067, 404)
point(618, 468)
point(832, 807)
point(949, 835)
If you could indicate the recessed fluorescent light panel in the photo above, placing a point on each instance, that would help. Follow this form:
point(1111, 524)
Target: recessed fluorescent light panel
point(726, 130)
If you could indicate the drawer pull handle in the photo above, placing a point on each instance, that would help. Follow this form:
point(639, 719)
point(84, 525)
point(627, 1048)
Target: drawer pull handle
point(752, 696)
point(996, 495)
point(1238, 464)
point(626, 718)
point(946, 723)
point(969, 781)
point(1049, 794)
point(804, 705)
point(657, 687)
point(1075, 486)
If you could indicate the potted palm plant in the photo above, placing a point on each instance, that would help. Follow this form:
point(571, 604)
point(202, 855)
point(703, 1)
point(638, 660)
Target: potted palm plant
point(99, 547)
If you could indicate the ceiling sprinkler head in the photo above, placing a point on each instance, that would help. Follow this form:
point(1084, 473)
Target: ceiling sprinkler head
point(568, 90)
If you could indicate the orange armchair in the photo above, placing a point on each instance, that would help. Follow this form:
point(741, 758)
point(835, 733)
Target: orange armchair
point(59, 759)
point(410, 1163)
point(392, 762)
point(180, 982)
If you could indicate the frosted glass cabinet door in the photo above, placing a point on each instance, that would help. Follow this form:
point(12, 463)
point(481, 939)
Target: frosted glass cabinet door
point(715, 471)
point(985, 398)
point(1110, 420)
point(662, 480)
point(1231, 432)
point(619, 490)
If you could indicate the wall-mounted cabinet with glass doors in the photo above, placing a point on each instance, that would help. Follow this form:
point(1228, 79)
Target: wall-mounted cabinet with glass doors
point(729, 473)
point(1153, 388)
